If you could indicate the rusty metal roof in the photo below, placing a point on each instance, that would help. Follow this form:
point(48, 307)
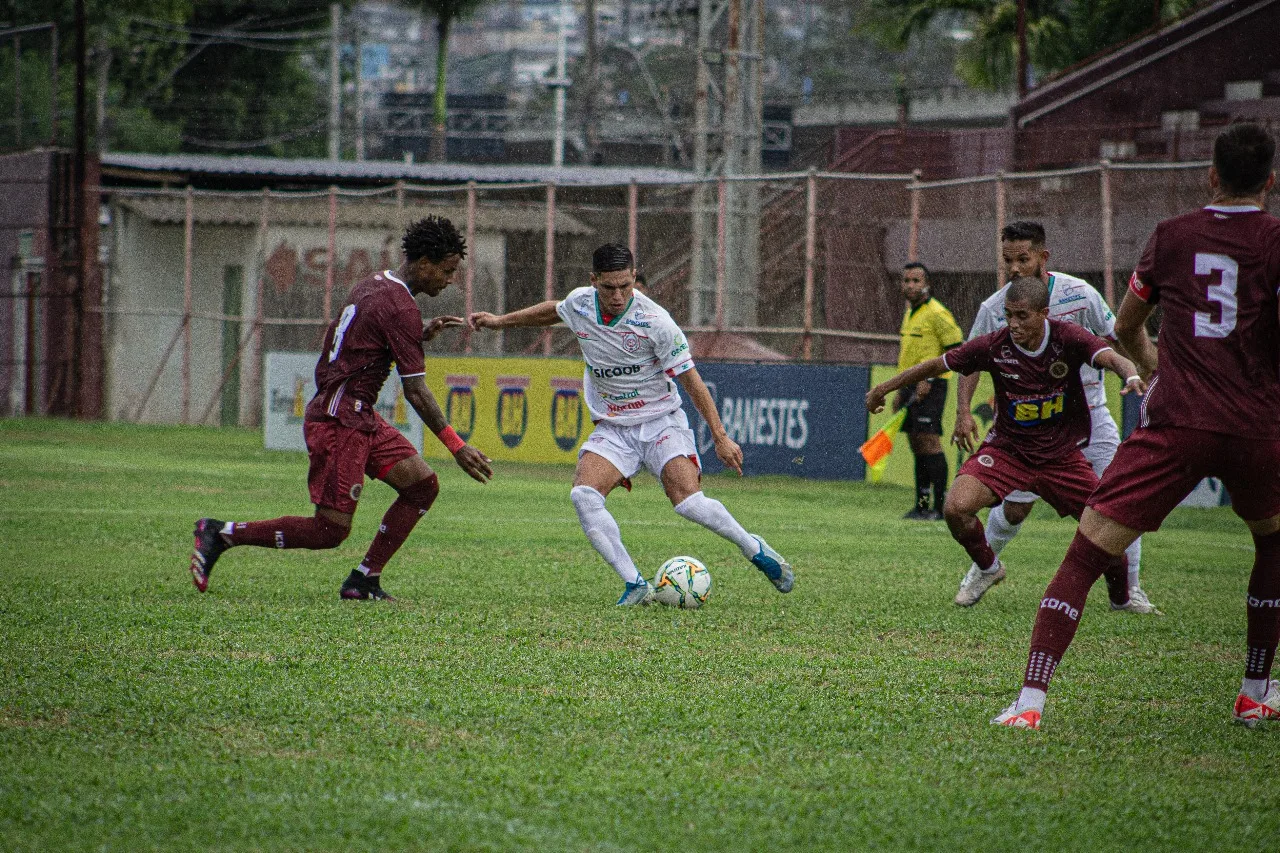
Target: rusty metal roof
point(311, 210)
point(390, 170)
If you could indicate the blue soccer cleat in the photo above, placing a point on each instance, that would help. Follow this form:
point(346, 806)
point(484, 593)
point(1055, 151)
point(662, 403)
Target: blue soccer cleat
point(774, 566)
point(640, 593)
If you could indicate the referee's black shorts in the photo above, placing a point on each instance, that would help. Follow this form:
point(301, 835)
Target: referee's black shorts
point(925, 416)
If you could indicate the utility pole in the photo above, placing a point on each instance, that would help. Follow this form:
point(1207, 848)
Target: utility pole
point(560, 83)
point(358, 25)
point(335, 83)
point(1022, 49)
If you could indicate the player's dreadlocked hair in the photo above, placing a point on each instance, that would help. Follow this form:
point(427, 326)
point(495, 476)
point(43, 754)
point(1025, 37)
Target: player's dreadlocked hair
point(433, 238)
point(612, 257)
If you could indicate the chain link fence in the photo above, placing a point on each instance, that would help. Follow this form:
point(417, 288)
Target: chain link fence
point(794, 267)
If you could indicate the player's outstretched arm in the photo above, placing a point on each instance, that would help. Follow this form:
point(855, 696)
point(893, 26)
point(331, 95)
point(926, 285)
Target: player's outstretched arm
point(542, 314)
point(727, 450)
point(966, 434)
point(1131, 331)
point(1122, 367)
point(469, 459)
point(924, 370)
point(436, 325)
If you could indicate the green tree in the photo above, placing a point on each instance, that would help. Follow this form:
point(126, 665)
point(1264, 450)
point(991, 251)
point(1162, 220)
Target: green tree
point(445, 13)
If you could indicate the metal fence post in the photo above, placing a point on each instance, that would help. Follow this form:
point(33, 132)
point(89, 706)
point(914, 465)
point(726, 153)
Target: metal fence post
point(810, 250)
point(259, 312)
point(188, 234)
point(332, 266)
point(469, 277)
point(549, 280)
point(913, 234)
point(1000, 214)
point(1108, 247)
point(633, 217)
point(722, 259)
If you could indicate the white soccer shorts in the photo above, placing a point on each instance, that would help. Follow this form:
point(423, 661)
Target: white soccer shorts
point(1104, 438)
point(652, 444)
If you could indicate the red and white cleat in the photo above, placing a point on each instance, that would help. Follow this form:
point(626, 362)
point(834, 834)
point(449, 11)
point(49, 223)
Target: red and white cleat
point(1015, 719)
point(1249, 712)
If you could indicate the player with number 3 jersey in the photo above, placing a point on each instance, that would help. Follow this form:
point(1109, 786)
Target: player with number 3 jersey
point(1210, 411)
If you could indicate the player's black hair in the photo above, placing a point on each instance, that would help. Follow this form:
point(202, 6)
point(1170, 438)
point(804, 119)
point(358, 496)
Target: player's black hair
point(1023, 229)
point(1243, 154)
point(612, 257)
point(433, 238)
point(916, 265)
point(1029, 290)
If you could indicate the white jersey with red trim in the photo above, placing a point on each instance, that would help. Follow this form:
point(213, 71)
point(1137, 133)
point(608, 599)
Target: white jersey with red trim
point(1071, 300)
point(632, 359)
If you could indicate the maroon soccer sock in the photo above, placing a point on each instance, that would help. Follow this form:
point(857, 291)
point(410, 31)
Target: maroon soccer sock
point(973, 539)
point(1061, 608)
point(292, 531)
point(1117, 577)
point(398, 523)
point(1264, 607)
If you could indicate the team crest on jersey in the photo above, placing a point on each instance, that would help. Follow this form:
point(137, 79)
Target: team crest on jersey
point(566, 412)
point(356, 490)
point(986, 461)
point(1059, 369)
point(460, 405)
point(630, 342)
point(1005, 352)
point(513, 409)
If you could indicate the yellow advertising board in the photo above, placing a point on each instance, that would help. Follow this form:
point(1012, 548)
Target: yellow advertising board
point(513, 409)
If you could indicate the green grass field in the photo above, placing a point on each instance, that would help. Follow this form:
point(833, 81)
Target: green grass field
point(504, 703)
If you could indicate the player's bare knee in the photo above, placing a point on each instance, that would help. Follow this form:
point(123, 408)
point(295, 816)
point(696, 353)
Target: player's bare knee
point(422, 494)
point(331, 533)
point(1016, 513)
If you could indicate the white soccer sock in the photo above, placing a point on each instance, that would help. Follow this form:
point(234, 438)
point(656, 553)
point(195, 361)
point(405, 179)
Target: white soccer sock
point(1030, 697)
point(602, 532)
point(711, 514)
point(1134, 554)
point(999, 531)
point(1254, 688)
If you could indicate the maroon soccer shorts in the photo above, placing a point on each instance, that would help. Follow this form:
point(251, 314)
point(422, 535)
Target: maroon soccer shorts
point(1155, 468)
point(341, 457)
point(1064, 484)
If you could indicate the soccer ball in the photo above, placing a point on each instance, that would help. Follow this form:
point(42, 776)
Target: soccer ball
point(682, 582)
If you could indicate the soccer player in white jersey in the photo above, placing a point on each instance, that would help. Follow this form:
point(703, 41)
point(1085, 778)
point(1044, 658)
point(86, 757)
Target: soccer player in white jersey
point(635, 356)
point(1075, 301)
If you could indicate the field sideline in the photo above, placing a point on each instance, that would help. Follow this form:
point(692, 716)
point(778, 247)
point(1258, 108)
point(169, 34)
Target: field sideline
point(504, 703)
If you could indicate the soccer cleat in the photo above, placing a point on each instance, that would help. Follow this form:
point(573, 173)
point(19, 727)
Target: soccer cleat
point(976, 583)
point(358, 587)
point(1015, 719)
point(209, 546)
point(774, 566)
point(1249, 712)
point(1138, 603)
point(640, 593)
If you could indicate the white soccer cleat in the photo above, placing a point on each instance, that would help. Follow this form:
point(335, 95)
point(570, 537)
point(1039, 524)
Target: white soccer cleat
point(1138, 603)
point(1015, 719)
point(1249, 712)
point(976, 583)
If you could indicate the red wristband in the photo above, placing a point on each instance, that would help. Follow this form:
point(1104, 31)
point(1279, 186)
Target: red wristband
point(450, 439)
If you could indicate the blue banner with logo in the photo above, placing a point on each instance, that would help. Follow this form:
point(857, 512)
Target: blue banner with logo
point(798, 419)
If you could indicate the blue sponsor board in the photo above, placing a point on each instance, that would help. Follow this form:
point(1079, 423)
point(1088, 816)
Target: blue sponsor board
point(798, 419)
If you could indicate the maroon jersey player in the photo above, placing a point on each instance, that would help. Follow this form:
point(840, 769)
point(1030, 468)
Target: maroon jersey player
point(1042, 418)
point(1211, 411)
point(346, 438)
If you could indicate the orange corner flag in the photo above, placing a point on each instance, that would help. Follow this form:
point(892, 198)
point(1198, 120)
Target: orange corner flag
point(875, 450)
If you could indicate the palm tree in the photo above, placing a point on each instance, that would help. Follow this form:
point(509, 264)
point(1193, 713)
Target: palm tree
point(445, 12)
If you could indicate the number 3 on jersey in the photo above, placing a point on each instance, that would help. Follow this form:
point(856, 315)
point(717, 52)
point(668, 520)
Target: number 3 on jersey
point(1223, 293)
point(349, 314)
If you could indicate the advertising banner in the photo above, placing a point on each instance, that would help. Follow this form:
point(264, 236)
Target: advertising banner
point(798, 419)
point(289, 384)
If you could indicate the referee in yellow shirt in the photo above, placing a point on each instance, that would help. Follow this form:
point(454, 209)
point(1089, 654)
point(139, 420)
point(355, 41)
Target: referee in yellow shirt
point(928, 330)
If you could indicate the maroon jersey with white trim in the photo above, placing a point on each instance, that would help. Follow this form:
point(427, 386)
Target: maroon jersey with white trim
point(379, 324)
point(1215, 272)
point(1042, 413)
